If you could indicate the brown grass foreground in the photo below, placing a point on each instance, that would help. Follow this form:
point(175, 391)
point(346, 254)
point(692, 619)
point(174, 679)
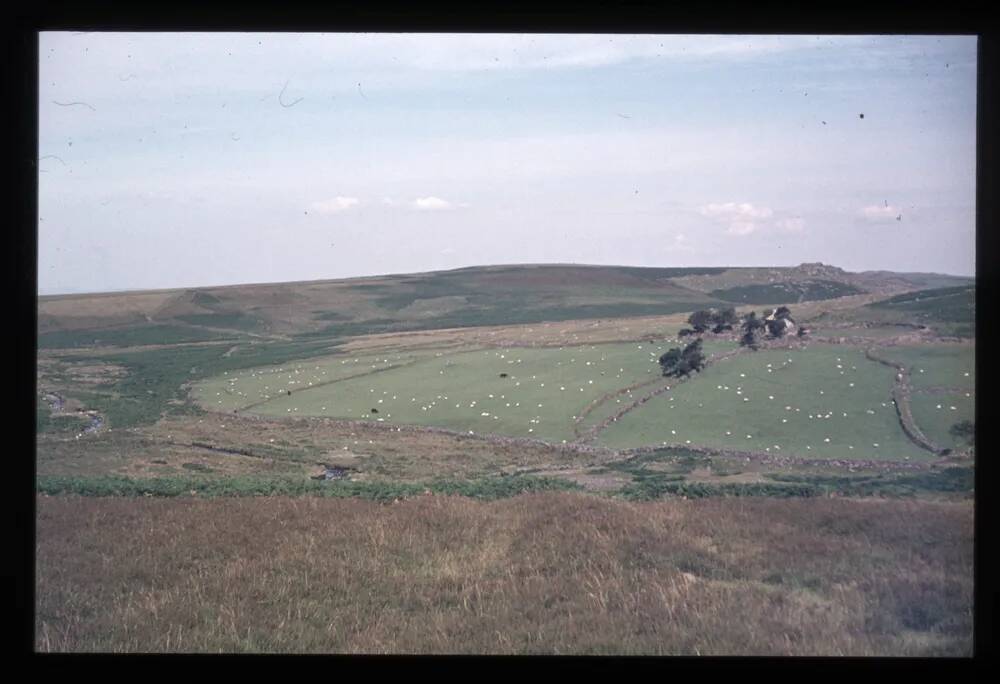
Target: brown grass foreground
point(548, 573)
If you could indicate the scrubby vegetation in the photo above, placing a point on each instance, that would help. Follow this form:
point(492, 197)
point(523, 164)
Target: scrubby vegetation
point(552, 573)
point(950, 309)
point(121, 486)
point(126, 337)
point(778, 293)
point(156, 377)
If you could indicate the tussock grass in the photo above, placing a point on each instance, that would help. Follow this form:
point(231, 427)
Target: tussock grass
point(553, 573)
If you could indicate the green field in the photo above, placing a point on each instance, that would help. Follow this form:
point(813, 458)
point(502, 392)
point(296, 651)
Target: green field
point(786, 402)
point(939, 365)
point(934, 414)
point(242, 388)
point(614, 404)
point(545, 389)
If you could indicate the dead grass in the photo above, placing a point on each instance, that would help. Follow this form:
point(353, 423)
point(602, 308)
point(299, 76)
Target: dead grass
point(548, 573)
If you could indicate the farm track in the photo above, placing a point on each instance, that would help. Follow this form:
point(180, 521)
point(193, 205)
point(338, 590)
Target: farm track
point(231, 331)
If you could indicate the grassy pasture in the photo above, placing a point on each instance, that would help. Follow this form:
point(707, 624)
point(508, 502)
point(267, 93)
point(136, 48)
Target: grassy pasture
point(544, 390)
point(241, 388)
point(614, 404)
point(934, 415)
point(937, 365)
point(734, 396)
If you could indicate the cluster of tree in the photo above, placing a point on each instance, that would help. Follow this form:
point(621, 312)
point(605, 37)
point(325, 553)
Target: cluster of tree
point(775, 325)
point(716, 319)
point(679, 362)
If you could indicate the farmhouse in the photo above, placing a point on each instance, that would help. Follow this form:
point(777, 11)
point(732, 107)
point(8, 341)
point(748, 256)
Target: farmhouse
point(787, 323)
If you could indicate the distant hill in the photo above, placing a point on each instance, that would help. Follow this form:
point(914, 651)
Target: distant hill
point(485, 295)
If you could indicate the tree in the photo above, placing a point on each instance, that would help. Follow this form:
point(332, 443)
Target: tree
point(728, 317)
point(692, 359)
point(700, 320)
point(669, 361)
point(677, 362)
point(751, 327)
point(965, 430)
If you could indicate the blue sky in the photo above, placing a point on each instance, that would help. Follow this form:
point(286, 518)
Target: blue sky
point(209, 159)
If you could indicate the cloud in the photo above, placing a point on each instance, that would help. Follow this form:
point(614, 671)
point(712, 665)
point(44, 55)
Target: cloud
point(876, 213)
point(741, 218)
point(335, 205)
point(432, 203)
point(732, 209)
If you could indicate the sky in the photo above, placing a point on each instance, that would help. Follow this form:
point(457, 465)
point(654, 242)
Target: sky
point(172, 160)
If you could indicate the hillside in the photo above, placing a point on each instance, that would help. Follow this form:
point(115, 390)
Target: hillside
point(491, 295)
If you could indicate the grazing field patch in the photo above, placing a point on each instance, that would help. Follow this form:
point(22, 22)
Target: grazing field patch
point(936, 365)
point(612, 404)
point(511, 391)
point(935, 414)
point(826, 401)
point(239, 389)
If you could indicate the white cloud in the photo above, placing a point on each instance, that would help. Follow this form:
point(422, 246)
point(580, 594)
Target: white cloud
point(432, 203)
point(885, 212)
point(727, 210)
point(741, 218)
point(335, 205)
